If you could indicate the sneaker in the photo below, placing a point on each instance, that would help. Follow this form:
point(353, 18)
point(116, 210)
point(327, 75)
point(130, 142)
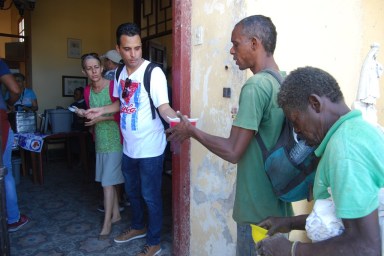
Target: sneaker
point(150, 250)
point(101, 208)
point(19, 224)
point(131, 234)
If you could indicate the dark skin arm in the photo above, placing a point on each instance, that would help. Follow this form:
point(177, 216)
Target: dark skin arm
point(360, 237)
point(230, 149)
point(14, 90)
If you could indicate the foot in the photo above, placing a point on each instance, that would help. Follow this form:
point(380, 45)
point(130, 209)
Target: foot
point(103, 237)
point(106, 230)
point(19, 224)
point(131, 234)
point(100, 208)
point(150, 250)
point(115, 220)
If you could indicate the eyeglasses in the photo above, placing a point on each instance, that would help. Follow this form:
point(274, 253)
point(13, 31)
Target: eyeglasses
point(127, 84)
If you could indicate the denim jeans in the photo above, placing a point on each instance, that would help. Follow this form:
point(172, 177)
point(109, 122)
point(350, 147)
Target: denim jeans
point(245, 244)
point(143, 177)
point(13, 213)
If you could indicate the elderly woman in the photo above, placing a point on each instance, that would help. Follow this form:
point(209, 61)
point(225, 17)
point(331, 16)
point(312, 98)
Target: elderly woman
point(107, 139)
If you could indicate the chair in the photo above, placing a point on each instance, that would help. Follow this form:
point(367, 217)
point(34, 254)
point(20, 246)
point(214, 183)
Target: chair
point(48, 152)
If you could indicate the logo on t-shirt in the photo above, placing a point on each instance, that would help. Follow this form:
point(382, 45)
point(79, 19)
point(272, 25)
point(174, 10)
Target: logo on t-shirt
point(129, 107)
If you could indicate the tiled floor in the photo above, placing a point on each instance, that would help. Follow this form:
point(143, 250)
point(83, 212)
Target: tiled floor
point(64, 219)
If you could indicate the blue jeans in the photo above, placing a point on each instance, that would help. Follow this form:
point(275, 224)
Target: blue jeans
point(245, 245)
point(13, 213)
point(143, 177)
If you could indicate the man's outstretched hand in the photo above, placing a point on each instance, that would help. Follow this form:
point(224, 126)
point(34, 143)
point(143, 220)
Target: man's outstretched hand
point(181, 131)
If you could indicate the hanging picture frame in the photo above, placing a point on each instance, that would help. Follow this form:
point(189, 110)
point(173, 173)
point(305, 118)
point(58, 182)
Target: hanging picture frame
point(70, 83)
point(73, 48)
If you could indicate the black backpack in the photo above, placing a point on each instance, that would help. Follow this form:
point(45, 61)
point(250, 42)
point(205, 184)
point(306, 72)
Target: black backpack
point(291, 180)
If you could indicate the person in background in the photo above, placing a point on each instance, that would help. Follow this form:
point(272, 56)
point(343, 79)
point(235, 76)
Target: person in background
point(144, 138)
point(27, 100)
point(16, 220)
point(78, 122)
point(78, 126)
point(107, 139)
point(253, 44)
point(111, 60)
point(351, 169)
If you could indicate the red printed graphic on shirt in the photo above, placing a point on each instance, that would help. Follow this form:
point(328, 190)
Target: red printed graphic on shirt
point(129, 107)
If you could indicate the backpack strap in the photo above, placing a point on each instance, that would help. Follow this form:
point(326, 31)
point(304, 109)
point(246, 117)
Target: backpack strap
point(116, 116)
point(279, 79)
point(147, 86)
point(87, 93)
point(118, 71)
point(275, 74)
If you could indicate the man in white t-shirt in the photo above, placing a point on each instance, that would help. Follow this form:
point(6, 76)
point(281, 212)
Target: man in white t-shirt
point(144, 137)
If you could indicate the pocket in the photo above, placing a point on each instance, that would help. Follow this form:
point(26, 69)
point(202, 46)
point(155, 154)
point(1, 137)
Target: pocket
point(280, 170)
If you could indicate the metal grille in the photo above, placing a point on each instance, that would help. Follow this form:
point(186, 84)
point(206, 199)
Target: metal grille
point(156, 19)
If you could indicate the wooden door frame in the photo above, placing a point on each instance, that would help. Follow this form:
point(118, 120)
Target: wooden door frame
point(181, 93)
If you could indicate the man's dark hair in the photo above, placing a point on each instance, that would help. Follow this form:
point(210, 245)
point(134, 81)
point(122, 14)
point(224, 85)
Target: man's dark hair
point(302, 82)
point(262, 28)
point(20, 76)
point(128, 29)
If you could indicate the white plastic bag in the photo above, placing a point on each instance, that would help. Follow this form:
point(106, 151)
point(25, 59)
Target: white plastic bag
point(322, 223)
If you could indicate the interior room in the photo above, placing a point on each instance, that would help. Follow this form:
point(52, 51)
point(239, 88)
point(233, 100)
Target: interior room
point(30, 45)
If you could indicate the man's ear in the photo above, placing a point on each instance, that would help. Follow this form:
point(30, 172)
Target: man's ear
point(255, 43)
point(82, 71)
point(315, 102)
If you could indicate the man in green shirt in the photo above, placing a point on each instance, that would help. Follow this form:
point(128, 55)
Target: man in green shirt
point(351, 168)
point(254, 41)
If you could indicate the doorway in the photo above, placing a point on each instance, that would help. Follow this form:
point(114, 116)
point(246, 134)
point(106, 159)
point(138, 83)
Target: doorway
point(180, 70)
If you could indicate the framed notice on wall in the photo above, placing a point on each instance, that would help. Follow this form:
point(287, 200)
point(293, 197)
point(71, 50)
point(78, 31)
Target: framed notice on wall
point(70, 83)
point(73, 48)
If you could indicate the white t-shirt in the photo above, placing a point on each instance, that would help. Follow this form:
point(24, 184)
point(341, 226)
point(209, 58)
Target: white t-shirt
point(143, 136)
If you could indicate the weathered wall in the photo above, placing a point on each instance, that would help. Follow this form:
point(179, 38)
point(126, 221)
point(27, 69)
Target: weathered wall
point(212, 179)
point(334, 35)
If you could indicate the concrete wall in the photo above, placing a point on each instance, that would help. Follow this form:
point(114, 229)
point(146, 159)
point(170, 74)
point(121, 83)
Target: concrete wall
point(334, 35)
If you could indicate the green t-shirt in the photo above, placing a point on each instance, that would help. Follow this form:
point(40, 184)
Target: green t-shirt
point(258, 111)
point(352, 165)
point(107, 135)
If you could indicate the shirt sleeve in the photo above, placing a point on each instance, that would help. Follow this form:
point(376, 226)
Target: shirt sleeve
point(254, 99)
point(4, 70)
point(159, 87)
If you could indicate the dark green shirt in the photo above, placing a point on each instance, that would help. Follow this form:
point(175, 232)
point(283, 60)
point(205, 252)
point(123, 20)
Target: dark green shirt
point(258, 111)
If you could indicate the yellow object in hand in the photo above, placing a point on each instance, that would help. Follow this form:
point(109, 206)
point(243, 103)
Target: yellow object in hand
point(258, 233)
